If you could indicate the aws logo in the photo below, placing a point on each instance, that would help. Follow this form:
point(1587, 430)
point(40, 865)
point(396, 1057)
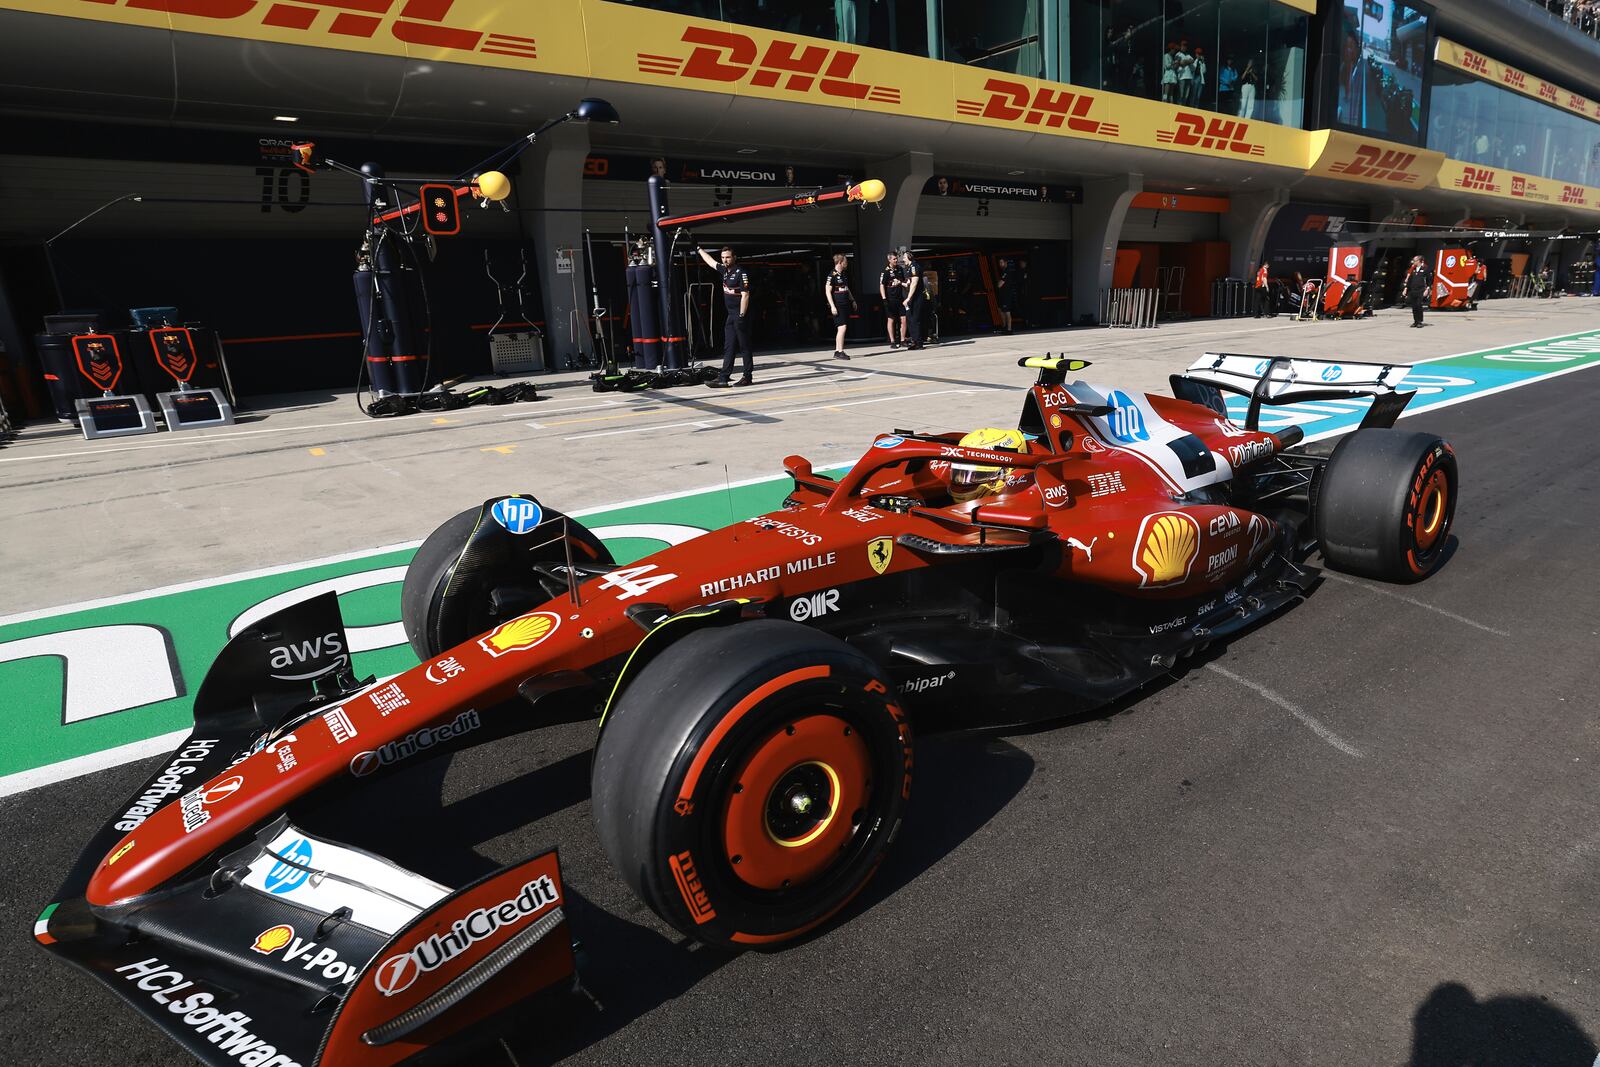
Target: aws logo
point(1215, 134)
point(1475, 178)
point(421, 22)
point(1011, 101)
point(726, 57)
point(1378, 164)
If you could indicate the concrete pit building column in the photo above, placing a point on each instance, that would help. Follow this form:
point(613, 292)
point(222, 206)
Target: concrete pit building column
point(892, 223)
point(1096, 229)
point(551, 192)
point(1245, 228)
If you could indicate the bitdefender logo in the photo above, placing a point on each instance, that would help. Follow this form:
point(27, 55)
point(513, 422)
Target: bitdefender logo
point(398, 973)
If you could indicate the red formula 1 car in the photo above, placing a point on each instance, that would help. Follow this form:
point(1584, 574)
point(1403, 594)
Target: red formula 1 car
point(757, 689)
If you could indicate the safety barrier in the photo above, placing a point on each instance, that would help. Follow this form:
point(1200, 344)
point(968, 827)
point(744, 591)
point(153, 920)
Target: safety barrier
point(1230, 298)
point(1135, 308)
point(1529, 285)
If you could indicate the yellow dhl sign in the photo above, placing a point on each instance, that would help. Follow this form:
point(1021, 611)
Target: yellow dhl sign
point(621, 43)
point(1510, 185)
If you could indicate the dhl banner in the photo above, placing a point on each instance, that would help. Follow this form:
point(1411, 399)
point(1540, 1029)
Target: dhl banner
point(1461, 57)
point(620, 42)
point(1356, 158)
point(1509, 185)
point(543, 36)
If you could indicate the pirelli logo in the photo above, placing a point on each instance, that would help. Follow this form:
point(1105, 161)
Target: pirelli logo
point(694, 894)
point(1014, 102)
point(419, 22)
point(1213, 134)
point(1378, 164)
point(1475, 178)
point(726, 57)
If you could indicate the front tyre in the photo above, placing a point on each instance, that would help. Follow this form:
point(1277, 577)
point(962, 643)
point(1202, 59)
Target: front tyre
point(1385, 504)
point(748, 781)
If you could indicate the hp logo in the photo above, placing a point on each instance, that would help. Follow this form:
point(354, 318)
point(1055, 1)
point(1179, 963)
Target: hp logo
point(517, 514)
point(1126, 420)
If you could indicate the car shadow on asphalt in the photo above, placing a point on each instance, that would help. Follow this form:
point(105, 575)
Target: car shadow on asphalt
point(1453, 1028)
point(961, 783)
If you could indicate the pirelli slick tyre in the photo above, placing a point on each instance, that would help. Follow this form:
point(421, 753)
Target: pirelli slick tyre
point(748, 781)
point(499, 560)
point(1385, 504)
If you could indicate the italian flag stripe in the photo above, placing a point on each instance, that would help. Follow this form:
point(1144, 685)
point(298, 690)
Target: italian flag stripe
point(41, 927)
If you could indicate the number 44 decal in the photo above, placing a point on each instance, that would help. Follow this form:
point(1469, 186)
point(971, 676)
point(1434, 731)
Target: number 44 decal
point(634, 581)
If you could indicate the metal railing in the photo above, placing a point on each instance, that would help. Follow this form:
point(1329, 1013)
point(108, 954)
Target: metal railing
point(1134, 308)
point(1230, 298)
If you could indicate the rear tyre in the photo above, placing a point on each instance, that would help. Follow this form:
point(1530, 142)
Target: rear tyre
point(1385, 504)
point(748, 781)
point(432, 627)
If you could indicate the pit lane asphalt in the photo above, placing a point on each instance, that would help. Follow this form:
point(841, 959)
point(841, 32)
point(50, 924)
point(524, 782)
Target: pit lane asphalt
point(1198, 878)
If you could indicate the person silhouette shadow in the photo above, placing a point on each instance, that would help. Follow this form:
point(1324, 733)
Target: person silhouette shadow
point(1452, 1028)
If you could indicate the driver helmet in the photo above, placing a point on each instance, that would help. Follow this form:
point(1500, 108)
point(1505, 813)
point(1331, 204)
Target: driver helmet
point(968, 482)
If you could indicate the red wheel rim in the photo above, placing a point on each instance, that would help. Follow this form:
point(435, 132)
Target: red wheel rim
point(1429, 523)
point(795, 801)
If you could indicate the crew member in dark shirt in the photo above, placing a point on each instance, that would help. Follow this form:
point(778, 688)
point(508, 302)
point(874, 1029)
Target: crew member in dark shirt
point(736, 331)
point(1010, 291)
point(914, 300)
point(892, 287)
point(1416, 288)
point(841, 302)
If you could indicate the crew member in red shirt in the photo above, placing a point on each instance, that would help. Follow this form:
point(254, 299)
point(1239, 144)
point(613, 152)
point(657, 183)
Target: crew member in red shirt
point(1263, 293)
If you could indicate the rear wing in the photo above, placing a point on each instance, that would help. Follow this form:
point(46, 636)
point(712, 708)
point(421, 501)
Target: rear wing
point(1278, 380)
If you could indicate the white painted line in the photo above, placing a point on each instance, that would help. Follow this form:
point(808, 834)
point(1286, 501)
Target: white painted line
point(344, 557)
point(203, 583)
point(1309, 721)
point(51, 773)
point(1371, 588)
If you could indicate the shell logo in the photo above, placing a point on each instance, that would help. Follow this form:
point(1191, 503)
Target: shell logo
point(520, 634)
point(1168, 541)
point(271, 940)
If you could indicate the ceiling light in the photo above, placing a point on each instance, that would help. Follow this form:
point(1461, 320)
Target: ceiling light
point(1190, 188)
point(747, 151)
point(285, 118)
point(1014, 173)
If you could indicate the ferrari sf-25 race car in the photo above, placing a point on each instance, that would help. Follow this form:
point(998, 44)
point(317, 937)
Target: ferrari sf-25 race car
point(756, 688)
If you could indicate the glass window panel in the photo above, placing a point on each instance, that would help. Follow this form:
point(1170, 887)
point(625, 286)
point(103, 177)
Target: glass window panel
point(1381, 63)
point(1194, 30)
point(1480, 123)
point(1286, 65)
point(998, 34)
point(1242, 45)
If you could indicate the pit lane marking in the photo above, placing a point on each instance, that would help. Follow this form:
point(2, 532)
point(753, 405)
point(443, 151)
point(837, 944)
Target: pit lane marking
point(723, 420)
point(1309, 721)
point(1369, 587)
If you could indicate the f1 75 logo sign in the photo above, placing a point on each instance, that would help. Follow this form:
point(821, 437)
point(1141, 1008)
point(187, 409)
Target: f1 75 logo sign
point(725, 56)
point(1011, 101)
point(1475, 178)
point(1216, 134)
point(419, 22)
point(1377, 164)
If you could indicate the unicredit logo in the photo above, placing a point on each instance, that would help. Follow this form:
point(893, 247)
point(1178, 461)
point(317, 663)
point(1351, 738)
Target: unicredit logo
point(397, 973)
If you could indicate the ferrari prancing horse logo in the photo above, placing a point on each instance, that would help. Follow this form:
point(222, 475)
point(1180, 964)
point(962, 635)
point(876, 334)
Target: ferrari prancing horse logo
point(880, 550)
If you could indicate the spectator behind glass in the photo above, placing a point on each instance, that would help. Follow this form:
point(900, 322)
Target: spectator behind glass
point(1197, 95)
point(1227, 86)
point(1169, 72)
point(1183, 62)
